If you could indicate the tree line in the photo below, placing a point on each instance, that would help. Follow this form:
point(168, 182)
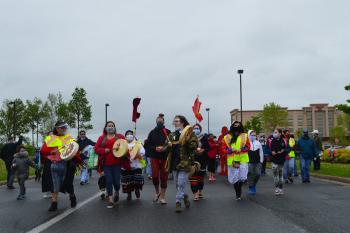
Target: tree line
point(273, 115)
point(38, 117)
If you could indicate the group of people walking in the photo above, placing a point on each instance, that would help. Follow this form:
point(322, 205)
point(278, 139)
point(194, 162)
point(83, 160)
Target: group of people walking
point(186, 153)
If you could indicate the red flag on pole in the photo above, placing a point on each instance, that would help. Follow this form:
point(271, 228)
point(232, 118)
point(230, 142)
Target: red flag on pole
point(196, 109)
point(135, 115)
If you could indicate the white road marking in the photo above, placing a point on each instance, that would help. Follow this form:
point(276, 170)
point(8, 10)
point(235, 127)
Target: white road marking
point(59, 217)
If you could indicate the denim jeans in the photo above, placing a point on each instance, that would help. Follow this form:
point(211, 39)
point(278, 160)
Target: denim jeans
point(305, 168)
point(254, 171)
point(180, 180)
point(84, 172)
point(288, 168)
point(112, 174)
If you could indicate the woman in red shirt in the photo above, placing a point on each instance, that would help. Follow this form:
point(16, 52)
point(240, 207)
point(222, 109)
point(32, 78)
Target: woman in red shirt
point(110, 164)
point(212, 157)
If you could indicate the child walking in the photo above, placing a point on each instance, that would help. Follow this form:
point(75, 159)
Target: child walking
point(20, 165)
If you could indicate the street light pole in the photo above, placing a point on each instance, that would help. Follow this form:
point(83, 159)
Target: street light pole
point(240, 72)
point(14, 118)
point(208, 109)
point(106, 105)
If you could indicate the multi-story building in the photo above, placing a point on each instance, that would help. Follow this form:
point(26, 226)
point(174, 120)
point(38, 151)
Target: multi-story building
point(317, 116)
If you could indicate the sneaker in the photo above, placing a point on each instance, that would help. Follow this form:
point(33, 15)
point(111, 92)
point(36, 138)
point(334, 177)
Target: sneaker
point(251, 190)
point(47, 195)
point(73, 201)
point(53, 207)
point(156, 197)
point(110, 205)
point(281, 192)
point(11, 187)
point(20, 197)
point(82, 183)
point(277, 191)
point(163, 201)
point(238, 198)
point(187, 201)
point(178, 208)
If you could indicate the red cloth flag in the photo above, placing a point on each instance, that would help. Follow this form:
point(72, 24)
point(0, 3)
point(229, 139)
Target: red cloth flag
point(196, 109)
point(135, 115)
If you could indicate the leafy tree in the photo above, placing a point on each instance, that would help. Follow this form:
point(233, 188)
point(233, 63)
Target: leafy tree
point(255, 124)
point(338, 132)
point(7, 118)
point(273, 116)
point(37, 112)
point(344, 121)
point(345, 107)
point(81, 110)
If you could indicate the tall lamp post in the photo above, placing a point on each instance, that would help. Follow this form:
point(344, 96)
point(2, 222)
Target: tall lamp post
point(106, 105)
point(208, 109)
point(240, 72)
point(14, 118)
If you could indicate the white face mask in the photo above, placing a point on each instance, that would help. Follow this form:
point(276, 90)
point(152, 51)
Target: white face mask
point(130, 138)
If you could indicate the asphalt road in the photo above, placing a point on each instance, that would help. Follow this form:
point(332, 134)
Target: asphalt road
point(317, 207)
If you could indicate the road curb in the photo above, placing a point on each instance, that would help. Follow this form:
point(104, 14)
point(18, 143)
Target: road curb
point(332, 178)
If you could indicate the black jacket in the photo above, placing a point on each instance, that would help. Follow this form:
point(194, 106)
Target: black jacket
point(203, 158)
point(9, 149)
point(278, 145)
point(84, 143)
point(156, 138)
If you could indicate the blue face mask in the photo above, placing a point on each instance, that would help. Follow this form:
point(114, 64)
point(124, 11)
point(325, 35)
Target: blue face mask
point(275, 135)
point(110, 130)
point(197, 132)
point(252, 138)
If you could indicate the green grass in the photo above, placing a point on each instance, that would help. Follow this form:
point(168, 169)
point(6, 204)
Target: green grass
point(329, 169)
point(334, 169)
point(3, 172)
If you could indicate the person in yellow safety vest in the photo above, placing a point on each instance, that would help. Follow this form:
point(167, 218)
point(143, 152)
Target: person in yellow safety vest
point(288, 168)
point(62, 171)
point(237, 147)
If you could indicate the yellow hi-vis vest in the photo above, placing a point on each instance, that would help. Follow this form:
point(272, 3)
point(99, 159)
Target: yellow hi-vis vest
point(58, 141)
point(241, 157)
point(291, 144)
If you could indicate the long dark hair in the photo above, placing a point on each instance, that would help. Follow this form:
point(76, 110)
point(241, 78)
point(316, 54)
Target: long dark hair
point(240, 130)
point(105, 133)
point(183, 120)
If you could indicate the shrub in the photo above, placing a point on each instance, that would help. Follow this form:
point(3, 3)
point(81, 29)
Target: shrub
point(342, 156)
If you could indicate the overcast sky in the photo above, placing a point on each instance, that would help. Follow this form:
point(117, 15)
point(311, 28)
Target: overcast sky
point(293, 52)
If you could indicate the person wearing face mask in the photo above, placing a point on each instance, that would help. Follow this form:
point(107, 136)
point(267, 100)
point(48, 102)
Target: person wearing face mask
point(62, 172)
point(237, 144)
point(307, 149)
point(256, 158)
point(278, 150)
point(108, 163)
point(157, 150)
point(201, 156)
point(182, 158)
point(132, 179)
point(20, 165)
